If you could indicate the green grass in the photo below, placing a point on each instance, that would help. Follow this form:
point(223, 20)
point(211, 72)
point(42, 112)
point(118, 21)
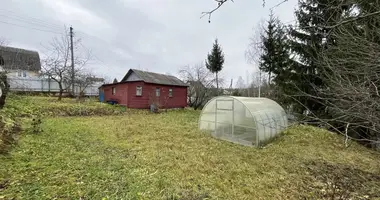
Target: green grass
point(21, 110)
point(27, 106)
point(163, 156)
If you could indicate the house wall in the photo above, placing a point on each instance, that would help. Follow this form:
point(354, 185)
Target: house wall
point(126, 95)
point(178, 99)
point(121, 93)
point(21, 73)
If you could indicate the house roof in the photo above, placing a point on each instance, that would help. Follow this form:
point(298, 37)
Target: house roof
point(196, 83)
point(95, 79)
point(156, 78)
point(14, 58)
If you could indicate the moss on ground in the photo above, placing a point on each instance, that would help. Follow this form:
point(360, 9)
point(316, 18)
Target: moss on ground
point(163, 156)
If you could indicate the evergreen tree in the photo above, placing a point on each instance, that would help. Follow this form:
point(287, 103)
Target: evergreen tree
point(313, 16)
point(269, 47)
point(115, 80)
point(275, 56)
point(215, 61)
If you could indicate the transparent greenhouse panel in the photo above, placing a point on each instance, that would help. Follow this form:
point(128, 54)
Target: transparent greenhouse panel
point(207, 126)
point(245, 135)
point(243, 120)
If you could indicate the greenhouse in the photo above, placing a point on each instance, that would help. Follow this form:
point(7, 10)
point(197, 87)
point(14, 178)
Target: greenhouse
point(243, 120)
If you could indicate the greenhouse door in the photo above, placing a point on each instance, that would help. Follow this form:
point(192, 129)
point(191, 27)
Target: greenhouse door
point(224, 121)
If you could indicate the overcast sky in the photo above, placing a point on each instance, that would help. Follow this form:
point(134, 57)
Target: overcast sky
point(156, 35)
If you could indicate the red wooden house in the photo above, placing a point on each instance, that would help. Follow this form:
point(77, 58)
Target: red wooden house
point(140, 89)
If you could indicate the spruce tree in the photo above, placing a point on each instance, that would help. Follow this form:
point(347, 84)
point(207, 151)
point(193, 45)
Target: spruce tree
point(275, 56)
point(215, 61)
point(313, 16)
point(268, 48)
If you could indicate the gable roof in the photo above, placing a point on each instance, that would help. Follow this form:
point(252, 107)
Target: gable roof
point(14, 58)
point(156, 78)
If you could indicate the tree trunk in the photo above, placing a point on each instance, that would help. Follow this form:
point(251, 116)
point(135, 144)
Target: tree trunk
point(217, 84)
point(60, 92)
point(269, 78)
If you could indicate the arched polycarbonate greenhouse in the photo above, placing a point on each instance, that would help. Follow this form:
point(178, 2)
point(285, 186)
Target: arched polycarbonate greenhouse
point(244, 120)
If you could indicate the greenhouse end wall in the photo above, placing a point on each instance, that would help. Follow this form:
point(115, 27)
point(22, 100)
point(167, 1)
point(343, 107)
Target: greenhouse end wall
point(244, 120)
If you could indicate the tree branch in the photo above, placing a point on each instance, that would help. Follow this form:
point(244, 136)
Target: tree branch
point(209, 13)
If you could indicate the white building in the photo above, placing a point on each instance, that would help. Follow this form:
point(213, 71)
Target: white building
point(23, 69)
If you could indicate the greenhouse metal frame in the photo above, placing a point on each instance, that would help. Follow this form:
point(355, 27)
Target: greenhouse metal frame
point(244, 120)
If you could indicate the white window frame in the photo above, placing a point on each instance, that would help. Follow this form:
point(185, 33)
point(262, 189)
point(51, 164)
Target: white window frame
point(113, 90)
point(157, 92)
point(170, 92)
point(139, 90)
point(19, 73)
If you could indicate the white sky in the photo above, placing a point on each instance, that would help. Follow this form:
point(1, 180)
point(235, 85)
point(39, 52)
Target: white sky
point(159, 35)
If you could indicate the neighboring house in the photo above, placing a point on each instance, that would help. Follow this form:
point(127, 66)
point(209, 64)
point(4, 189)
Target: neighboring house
point(20, 63)
point(140, 89)
point(92, 89)
point(23, 69)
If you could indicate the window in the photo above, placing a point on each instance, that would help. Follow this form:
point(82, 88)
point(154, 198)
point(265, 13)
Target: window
point(113, 91)
point(18, 72)
point(138, 90)
point(23, 73)
point(157, 92)
point(170, 92)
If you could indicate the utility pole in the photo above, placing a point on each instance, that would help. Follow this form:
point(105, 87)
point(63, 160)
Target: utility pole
point(247, 83)
point(72, 60)
point(259, 83)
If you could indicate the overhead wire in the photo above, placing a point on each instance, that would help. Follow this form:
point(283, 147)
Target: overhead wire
point(31, 18)
point(29, 27)
point(30, 22)
point(47, 27)
point(96, 57)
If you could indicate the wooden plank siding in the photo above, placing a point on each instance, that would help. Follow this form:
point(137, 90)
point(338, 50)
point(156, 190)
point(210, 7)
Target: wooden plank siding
point(126, 94)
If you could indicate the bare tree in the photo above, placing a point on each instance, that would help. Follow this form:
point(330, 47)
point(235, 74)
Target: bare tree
point(84, 79)
point(254, 49)
point(201, 82)
point(350, 69)
point(240, 83)
point(57, 64)
point(259, 86)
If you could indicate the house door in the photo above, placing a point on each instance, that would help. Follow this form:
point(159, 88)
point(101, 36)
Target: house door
point(101, 96)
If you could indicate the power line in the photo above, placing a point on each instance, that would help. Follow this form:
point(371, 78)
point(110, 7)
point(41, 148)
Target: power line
point(96, 57)
point(31, 22)
point(30, 27)
point(91, 36)
point(31, 18)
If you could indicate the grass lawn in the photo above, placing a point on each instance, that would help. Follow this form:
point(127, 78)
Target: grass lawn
point(138, 155)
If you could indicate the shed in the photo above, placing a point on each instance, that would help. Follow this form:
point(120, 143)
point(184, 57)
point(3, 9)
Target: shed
point(243, 120)
point(141, 89)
